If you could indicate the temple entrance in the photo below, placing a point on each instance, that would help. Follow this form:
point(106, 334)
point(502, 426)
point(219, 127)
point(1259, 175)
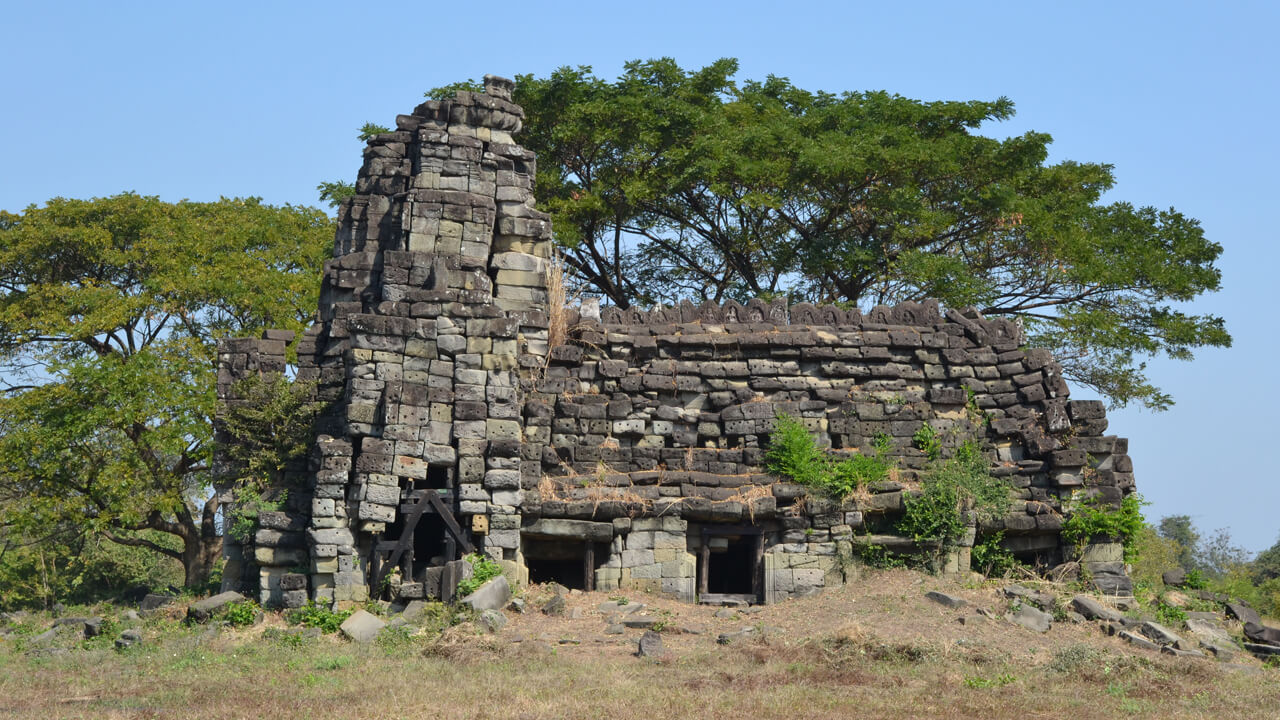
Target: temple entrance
point(572, 563)
point(730, 565)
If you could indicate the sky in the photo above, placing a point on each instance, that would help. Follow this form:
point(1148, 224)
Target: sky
point(202, 100)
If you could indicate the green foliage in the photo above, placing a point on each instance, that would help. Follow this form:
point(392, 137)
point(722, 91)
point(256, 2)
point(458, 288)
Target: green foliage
point(268, 427)
point(36, 572)
point(241, 613)
point(793, 454)
point(109, 317)
point(927, 440)
point(1152, 554)
point(334, 192)
point(483, 569)
point(991, 558)
point(880, 557)
point(948, 488)
point(1170, 615)
point(1093, 519)
point(242, 521)
point(1182, 532)
point(1195, 580)
point(318, 616)
point(369, 130)
point(761, 188)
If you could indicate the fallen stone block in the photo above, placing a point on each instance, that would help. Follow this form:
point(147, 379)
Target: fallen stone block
point(493, 620)
point(1137, 640)
point(946, 600)
point(362, 627)
point(201, 611)
point(1262, 634)
point(492, 595)
point(1030, 618)
point(1243, 613)
point(650, 645)
point(1093, 609)
point(1159, 633)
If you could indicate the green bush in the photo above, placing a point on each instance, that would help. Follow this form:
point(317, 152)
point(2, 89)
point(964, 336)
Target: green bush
point(1094, 519)
point(80, 568)
point(319, 616)
point(483, 569)
point(794, 455)
point(928, 441)
point(947, 489)
point(241, 613)
point(991, 558)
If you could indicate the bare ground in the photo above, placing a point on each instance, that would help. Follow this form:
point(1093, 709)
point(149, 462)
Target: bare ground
point(876, 648)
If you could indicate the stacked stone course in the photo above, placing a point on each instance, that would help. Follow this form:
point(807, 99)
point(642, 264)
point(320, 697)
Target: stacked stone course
point(646, 431)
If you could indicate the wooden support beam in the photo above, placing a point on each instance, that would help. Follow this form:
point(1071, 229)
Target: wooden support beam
point(450, 522)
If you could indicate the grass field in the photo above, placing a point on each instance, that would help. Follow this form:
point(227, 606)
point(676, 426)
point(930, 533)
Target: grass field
point(876, 649)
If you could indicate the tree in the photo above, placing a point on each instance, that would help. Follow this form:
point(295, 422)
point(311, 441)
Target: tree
point(1180, 530)
point(335, 191)
point(109, 317)
point(668, 184)
point(1266, 565)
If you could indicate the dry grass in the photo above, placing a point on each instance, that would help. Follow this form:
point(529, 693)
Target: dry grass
point(876, 649)
point(557, 302)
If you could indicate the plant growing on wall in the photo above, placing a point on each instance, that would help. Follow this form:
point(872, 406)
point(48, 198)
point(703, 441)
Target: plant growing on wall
point(948, 488)
point(1094, 519)
point(793, 454)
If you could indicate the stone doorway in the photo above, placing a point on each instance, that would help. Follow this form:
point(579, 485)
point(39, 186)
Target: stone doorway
point(731, 565)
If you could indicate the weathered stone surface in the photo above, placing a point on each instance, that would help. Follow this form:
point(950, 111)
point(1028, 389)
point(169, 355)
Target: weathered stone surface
point(492, 595)
point(493, 620)
point(362, 627)
point(554, 606)
point(1093, 609)
point(1243, 613)
point(1159, 633)
point(1260, 633)
point(204, 609)
point(151, 601)
point(650, 645)
point(1030, 618)
point(946, 600)
point(1137, 640)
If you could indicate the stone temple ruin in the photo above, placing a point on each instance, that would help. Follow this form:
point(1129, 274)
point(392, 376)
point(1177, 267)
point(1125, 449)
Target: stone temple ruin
point(631, 456)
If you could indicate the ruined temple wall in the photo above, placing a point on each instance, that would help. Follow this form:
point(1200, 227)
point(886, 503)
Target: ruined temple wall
point(644, 435)
point(667, 414)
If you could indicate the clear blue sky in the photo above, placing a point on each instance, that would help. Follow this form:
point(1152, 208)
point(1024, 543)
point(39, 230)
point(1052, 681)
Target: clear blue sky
point(265, 98)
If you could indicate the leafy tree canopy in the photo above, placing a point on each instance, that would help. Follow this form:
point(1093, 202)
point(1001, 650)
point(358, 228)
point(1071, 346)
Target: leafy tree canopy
point(667, 184)
point(109, 314)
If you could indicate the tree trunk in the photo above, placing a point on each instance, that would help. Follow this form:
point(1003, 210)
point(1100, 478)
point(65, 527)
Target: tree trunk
point(199, 556)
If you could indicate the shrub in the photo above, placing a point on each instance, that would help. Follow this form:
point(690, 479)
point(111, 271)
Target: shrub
point(1151, 556)
point(991, 558)
point(319, 616)
point(928, 441)
point(948, 487)
point(241, 613)
point(1094, 519)
point(483, 569)
point(794, 455)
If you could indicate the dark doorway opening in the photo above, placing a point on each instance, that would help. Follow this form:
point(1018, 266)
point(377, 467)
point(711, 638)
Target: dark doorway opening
point(567, 561)
point(731, 570)
point(731, 565)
